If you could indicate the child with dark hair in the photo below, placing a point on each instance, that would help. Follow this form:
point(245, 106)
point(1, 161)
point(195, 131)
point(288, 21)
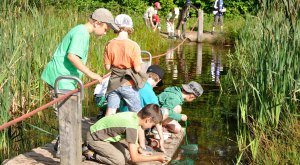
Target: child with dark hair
point(104, 136)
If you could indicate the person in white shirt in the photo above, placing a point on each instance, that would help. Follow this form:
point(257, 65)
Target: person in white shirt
point(148, 16)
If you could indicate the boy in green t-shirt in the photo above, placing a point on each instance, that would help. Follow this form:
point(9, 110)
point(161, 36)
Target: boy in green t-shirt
point(71, 55)
point(104, 136)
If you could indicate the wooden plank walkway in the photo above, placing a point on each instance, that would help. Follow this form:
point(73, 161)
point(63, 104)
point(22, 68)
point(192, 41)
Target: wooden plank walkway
point(46, 154)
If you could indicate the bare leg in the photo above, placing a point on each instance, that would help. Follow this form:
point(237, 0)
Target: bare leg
point(110, 111)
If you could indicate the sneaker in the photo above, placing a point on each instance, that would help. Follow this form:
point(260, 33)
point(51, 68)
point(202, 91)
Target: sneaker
point(57, 154)
point(57, 147)
point(88, 154)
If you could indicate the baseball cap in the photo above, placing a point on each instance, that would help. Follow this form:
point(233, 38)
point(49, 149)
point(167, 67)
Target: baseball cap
point(157, 5)
point(157, 70)
point(123, 20)
point(193, 87)
point(104, 15)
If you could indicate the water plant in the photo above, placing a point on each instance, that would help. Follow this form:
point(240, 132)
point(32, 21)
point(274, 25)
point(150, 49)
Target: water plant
point(266, 75)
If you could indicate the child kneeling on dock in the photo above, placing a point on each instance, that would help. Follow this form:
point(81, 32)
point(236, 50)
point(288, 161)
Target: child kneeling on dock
point(105, 135)
point(170, 101)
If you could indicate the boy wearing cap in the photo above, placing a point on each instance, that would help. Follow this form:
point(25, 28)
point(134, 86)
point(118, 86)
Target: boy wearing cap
point(170, 20)
point(123, 57)
point(105, 135)
point(148, 16)
point(171, 99)
point(71, 55)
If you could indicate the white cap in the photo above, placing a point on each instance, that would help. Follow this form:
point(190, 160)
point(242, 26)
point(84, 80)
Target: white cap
point(123, 20)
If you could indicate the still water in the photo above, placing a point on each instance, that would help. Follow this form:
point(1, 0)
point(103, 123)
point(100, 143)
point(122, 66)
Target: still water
point(210, 125)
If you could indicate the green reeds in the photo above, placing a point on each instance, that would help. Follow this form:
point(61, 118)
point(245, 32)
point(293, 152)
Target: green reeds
point(266, 72)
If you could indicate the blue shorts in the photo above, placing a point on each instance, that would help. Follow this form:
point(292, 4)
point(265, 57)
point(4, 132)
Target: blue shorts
point(129, 94)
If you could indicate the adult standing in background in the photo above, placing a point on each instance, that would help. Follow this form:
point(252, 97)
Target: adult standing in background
point(184, 14)
point(148, 16)
point(219, 9)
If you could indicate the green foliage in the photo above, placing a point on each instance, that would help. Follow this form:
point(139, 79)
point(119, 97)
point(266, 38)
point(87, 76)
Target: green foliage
point(137, 7)
point(265, 69)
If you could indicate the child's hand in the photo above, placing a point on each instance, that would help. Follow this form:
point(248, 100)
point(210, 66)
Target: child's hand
point(96, 77)
point(163, 158)
point(183, 117)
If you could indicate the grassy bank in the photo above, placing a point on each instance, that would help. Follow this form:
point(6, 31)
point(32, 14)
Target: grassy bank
point(266, 75)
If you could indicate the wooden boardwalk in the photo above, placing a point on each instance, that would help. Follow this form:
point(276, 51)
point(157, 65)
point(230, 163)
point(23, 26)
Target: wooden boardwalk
point(46, 154)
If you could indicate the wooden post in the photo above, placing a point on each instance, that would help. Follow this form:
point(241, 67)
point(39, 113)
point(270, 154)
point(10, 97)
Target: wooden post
point(70, 115)
point(200, 25)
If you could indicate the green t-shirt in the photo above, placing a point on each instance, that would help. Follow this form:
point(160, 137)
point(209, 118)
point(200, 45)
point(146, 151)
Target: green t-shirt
point(75, 42)
point(116, 127)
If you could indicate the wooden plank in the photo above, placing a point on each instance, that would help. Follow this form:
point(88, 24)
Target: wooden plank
point(46, 154)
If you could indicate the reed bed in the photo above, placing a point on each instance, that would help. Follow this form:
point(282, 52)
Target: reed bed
point(266, 75)
point(29, 36)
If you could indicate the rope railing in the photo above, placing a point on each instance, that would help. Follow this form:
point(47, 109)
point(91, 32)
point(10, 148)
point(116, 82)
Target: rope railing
point(60, 98)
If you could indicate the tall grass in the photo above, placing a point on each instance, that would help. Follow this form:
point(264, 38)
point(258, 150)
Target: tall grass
point(29, 36)
point(266, 75)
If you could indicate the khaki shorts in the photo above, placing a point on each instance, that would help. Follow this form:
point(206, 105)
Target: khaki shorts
point(218, 20)
point(108, 153)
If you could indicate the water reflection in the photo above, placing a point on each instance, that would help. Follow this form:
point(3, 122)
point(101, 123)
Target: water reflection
point(176, 61)
point(208, 127)
point(216, 66)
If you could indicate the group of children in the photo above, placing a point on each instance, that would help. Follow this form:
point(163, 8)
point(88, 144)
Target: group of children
point(152, 19)
point(127, 84)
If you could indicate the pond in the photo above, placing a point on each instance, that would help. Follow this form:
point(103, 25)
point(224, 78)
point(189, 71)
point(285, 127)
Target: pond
point(210, 125)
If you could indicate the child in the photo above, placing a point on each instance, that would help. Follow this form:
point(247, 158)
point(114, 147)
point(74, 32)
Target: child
point(148, 16)
point(104, 136)
point(71, 55)
point(156, 22)
point(171, 99)
point(147, 95)
point(171, 17)
point(123, 57)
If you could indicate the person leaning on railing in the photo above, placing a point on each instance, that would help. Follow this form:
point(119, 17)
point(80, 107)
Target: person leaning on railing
point(71, 54)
